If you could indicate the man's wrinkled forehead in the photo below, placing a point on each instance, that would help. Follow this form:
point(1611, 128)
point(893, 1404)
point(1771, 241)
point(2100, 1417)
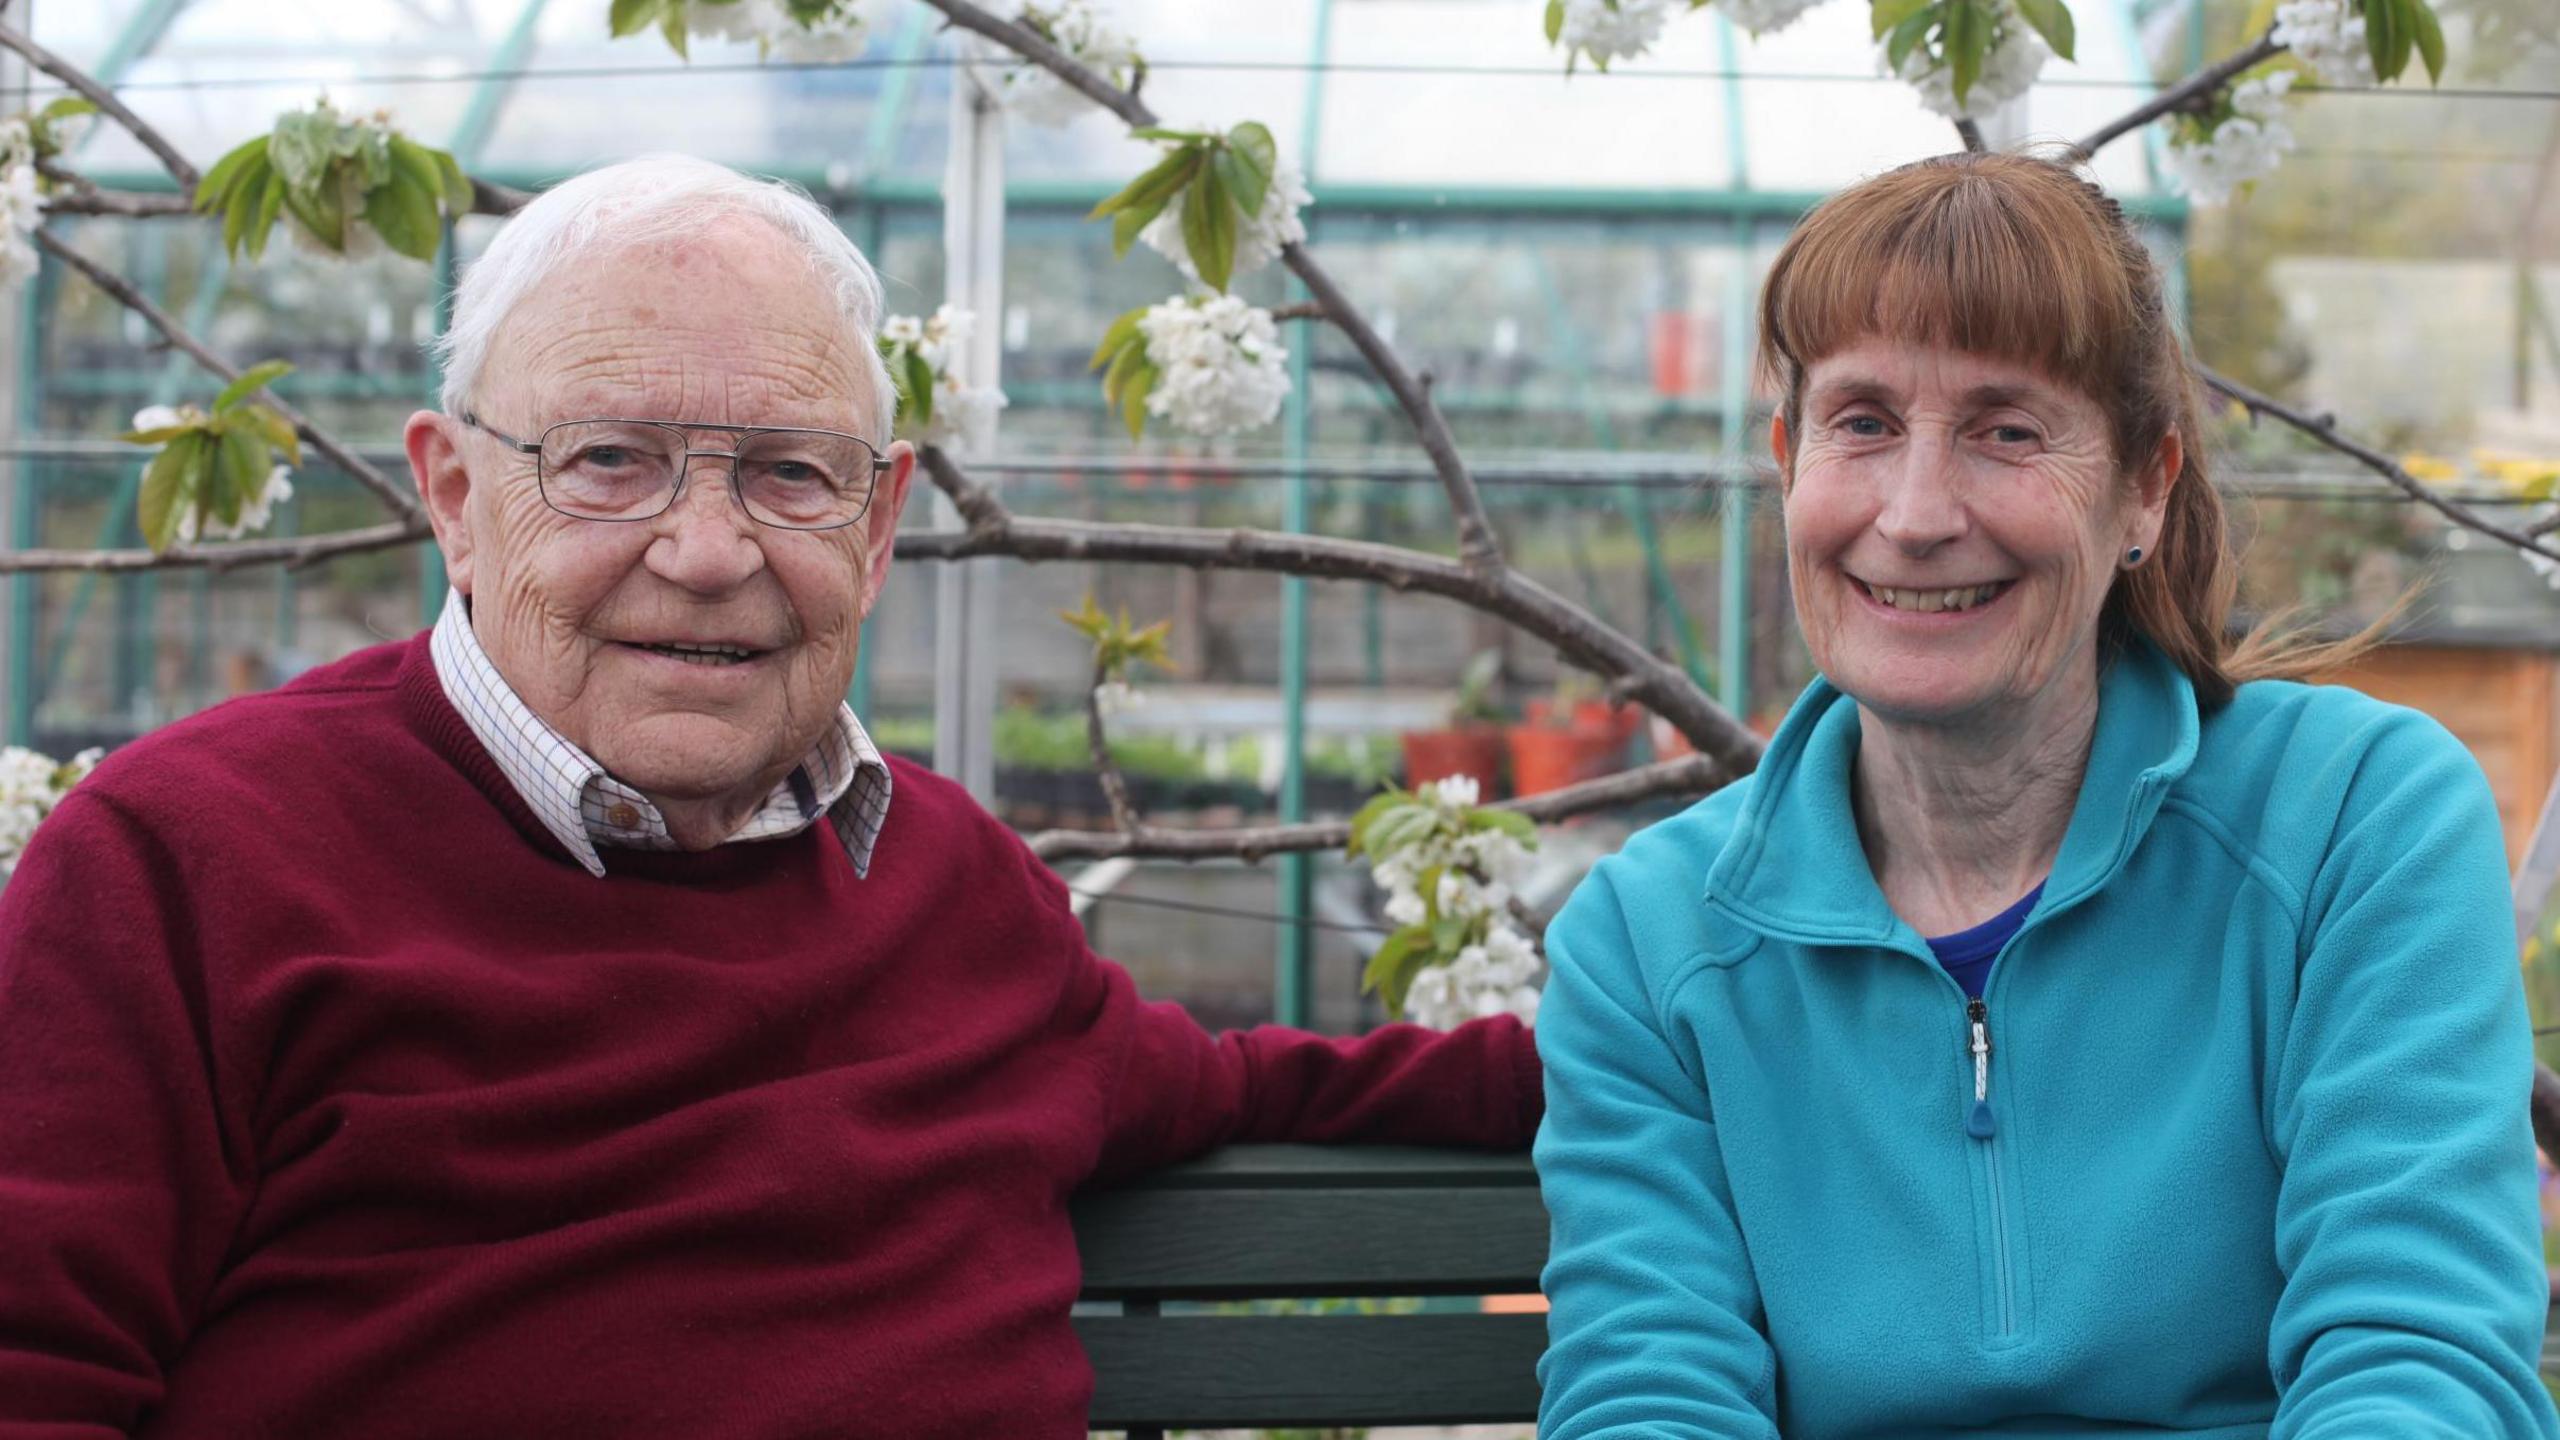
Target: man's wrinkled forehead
point(726, 318)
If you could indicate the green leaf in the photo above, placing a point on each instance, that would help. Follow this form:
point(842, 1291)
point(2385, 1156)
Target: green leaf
point(2378, 18)
point(1122, 331)
point(1427, 885)
point(1449, 935)
point(1156, 183)
point(216, 184)
point(403, 213)
point(278, 430)
point(919, 376)
point(2052, 20)
point(1885, 15)
point(66, 107)
point(1907, 37)
point(1209, 229)
point(1133, 397)
point(414, 160)
point(671, 25)
point(2429, 34)
point(1126, 225)
point(318, 213)
point(1367, 815)
point(1248, 164)
point(157, 435)
point(460, 194)
point(264, 224)
point(1555, 20)
point(257, 377)
point(1389, 972)
point(1123, 365)
point(630, 17)
point(1510, 822)
point(166, 486)
point(247, 189)
point(240, 471)
point(1967, 39)
point(1162, 132)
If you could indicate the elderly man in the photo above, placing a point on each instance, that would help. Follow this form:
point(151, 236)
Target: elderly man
point(565, 1023)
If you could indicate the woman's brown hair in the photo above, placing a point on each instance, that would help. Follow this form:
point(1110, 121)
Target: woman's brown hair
point(2020, 258)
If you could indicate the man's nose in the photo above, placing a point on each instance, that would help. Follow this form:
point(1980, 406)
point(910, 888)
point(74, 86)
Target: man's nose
point(1923, 500)
point(706, 541)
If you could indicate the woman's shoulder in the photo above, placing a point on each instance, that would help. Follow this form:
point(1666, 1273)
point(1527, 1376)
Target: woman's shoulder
point(1649, 897)
point(2294, 765)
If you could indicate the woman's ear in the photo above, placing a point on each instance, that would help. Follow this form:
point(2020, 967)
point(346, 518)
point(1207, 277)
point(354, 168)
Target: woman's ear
point(1778, 440)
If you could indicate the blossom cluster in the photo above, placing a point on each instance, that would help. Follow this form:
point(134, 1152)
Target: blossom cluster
point(2016, 57)
point(1220, 366)
point(1080, 32)
point(2328, 36)
point(198, 521)
point(956, 412)
point(2209, 164)
point(1607, 30)
point(1257, 244)
point(1476, 869)
point(1764, 17)
point(31, 784)
point(21, 203)
point(801, 33)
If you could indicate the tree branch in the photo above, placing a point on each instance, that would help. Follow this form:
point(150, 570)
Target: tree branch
point(1476, 538)
point(1115, 786)
point(293, 554)
point(2187, 93)
point(1688, 775)
point(2324, 429)
point(105, 99)
point(132, 299)
point(1970, 133)
point(1632, 673)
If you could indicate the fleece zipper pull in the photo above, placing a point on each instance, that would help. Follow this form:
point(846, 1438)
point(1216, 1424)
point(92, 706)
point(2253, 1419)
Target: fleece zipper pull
point(1978, 1123)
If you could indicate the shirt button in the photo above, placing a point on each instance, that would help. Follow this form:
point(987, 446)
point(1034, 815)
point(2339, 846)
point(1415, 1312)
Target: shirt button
point(623, 817)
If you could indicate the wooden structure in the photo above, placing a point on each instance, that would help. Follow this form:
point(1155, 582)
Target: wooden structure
point(2503, 701)
point(1174, 1251)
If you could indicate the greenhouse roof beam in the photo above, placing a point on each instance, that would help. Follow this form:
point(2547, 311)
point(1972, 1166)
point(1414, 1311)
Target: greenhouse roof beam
point(480, 117)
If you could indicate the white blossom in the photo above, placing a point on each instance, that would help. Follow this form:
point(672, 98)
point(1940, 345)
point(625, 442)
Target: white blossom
point(1454, 792)
point(1608, 30)
point(198, 522)
point(2016, 55)
point(1257, 244)
point(156, 417)
point(961, 413)
point(31, 785)
point(1117, 697)
point(837, 34)
point(21, 211)
point(2248, 145)
point(1076, 28)
point(2328, 36)
point(1220, 367)
point(1765, 17)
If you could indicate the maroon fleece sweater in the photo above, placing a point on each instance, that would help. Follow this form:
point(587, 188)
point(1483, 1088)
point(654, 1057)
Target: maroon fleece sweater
point(337, 1100)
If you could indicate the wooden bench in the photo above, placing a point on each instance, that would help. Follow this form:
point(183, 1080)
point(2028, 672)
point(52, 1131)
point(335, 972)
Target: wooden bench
point(1266, 1222)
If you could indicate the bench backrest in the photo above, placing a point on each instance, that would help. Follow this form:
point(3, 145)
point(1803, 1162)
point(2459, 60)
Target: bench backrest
point(1259, 1222)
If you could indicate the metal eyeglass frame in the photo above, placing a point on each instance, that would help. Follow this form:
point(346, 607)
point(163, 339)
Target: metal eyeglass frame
point(684, 471)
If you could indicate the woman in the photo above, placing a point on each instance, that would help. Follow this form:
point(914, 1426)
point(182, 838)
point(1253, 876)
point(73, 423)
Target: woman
point(2075, 1027)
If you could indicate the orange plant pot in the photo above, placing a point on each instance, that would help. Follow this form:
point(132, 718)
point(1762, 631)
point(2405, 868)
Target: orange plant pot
point(1543, 759)
point(1474, 750)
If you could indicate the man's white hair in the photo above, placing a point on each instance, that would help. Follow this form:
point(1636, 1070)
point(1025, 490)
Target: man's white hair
point(652, 198)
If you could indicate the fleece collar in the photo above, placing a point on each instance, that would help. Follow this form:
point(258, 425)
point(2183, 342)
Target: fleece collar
point(1794, 869)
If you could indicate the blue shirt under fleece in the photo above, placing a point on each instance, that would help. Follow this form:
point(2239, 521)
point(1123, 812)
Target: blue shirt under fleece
point(2233, 1144)
point(1968, 954)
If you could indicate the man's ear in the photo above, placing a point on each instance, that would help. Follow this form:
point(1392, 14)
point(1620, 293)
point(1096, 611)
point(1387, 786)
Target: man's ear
point(444, 483)
point(880, 522)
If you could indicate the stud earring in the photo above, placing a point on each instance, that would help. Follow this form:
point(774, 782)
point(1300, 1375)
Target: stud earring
point(2132, 557)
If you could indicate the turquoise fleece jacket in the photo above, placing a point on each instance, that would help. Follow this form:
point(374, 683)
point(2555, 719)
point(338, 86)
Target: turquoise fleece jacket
point(2243, 1150)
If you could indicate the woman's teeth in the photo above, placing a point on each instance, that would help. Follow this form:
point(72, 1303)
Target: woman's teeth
point(1961, 597)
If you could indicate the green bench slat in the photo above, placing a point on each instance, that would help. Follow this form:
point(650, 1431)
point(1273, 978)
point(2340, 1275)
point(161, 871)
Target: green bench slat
point(1245, 1370)
point(1240, 1244)
point(1255, 1167)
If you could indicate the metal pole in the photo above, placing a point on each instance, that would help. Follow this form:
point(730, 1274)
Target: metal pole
point(17, 310)
point(964, 681)
point(1733, 607)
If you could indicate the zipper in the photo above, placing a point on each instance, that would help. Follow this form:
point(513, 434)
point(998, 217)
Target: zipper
point(1979, 1126)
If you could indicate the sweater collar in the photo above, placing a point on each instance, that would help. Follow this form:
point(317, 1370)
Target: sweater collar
point(1794, 867)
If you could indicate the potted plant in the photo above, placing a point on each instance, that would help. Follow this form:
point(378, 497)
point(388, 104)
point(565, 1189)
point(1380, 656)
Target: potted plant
point(1576, 735)
point(1471, 743)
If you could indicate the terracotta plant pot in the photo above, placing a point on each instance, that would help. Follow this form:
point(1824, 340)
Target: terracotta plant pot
point(1544, 758)
point(1468, 750)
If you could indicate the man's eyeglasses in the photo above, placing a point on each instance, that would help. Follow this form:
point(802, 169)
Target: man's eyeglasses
point(634, 469)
